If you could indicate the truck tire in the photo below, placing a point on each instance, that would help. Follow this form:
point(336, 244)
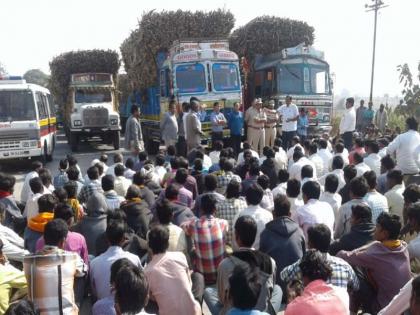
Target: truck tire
point(74, 142)
point(116, 140)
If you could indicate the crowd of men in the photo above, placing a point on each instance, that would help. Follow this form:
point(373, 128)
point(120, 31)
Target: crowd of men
point(300, 223)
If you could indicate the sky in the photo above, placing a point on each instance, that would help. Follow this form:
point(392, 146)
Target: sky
point(32, 32)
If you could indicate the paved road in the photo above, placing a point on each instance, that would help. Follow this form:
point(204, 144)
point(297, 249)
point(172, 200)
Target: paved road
point(88, 151)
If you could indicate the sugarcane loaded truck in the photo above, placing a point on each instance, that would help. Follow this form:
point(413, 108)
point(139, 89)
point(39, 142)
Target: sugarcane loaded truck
point(205, 69)
point(302, 73)
point(91, 109)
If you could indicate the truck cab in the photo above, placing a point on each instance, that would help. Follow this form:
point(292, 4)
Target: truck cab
point(92, 109)
point(205, 69)
point(302, 73)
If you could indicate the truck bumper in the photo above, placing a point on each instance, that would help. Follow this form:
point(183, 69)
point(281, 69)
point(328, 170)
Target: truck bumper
point(91, 132)
point(21, 153)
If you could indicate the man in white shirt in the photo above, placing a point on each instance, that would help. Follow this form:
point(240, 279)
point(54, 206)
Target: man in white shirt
point(373, 160)
point(404, 146)
point(359, 164)
point(246, 146)
point(314, 211)
point(340, 150)
point(31, 207)
point(325, 155)
point(283, 177)
point(100, 267)
point(348, 124)
point(316, 159)
point(13, 244)
point(118, 160)
point(358, 188)
point(376, 201)
point(395, 193)
point(292, 193)
point(121, 183)
point(330, 194)
point(36, 166)
point(254, 195)
point(337, 169)
point(289, 114)
point(300, 161)
point(281, 155)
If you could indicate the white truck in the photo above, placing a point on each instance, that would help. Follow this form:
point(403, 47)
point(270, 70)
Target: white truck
point(91, 109)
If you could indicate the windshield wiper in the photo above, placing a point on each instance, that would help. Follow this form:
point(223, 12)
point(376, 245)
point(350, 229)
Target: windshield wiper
point(293, 74)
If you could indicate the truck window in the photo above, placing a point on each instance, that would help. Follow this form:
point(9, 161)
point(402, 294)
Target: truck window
point(164, 82)
point(51, 105)
point(17, 106)
point(42, 108)
point(319, 80)
point(83, 96)
point(225, 77)
point(291, 80)
point(191, 78)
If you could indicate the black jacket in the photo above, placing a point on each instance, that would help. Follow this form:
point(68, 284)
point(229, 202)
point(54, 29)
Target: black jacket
point(284, 241)
point(181, 213)
point(147, 195)
point(270, 168)
point(138, 216)
point(359, 235)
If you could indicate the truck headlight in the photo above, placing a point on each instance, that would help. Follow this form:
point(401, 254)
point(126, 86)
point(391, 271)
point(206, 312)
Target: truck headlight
point(77, 123)
point(114, 122)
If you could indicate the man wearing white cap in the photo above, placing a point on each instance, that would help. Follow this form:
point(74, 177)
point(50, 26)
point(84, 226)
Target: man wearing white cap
point(256, 118)
point(289, 115)
point(270, 125)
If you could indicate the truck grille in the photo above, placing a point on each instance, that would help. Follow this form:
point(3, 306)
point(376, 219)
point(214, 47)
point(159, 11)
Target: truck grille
point(9, 145)
point(95, 117)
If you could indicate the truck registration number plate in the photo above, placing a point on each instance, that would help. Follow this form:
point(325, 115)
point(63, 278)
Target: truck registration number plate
point(15, 153)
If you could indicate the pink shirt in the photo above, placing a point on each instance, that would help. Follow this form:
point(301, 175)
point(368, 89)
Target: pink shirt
point(170, 284)
point(318, 298)
point(361, 151)
point(75, 243)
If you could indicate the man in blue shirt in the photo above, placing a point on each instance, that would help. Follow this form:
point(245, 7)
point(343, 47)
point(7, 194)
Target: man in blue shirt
point(218, 121)
point(235, 124)
point(302, 124)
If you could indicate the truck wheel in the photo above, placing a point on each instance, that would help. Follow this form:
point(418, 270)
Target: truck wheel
point(116, 140)
point(74, 142)
point(49, 156)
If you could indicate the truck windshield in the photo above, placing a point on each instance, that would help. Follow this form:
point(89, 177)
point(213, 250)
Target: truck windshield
point(319, 81)
point(303, 78)
point(17, 106)
point(92, 96)
point(225, 77)
point(291, 79)
point(191, 78)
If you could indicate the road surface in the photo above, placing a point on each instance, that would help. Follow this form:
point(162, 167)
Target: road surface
point(88, 151)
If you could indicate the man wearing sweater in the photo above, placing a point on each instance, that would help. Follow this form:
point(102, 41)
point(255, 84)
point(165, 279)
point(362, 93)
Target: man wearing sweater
point(386, 261)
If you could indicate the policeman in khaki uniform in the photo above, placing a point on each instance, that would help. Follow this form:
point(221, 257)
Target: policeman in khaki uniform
point(256, 118)
point(270, 125)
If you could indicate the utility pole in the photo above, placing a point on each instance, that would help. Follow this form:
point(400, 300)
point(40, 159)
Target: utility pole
point(378, 4)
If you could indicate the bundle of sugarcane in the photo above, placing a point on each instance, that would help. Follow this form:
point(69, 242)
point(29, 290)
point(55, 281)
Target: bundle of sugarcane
point(269, 34)
point(82, 61)
point(158, 30)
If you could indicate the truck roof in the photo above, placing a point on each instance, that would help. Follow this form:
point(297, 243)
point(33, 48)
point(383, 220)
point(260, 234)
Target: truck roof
point(7, 85)
point(182, 45)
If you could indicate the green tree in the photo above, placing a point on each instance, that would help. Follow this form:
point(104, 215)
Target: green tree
point(36, 76)
point(411, 90)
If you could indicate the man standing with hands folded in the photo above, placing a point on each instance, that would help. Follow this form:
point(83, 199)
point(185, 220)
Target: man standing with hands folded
point(289, 115)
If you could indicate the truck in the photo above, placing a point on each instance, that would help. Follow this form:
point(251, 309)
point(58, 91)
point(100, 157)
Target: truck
point(91, 109)
point(27, 120)
point(202, 68)
point(302, 73)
